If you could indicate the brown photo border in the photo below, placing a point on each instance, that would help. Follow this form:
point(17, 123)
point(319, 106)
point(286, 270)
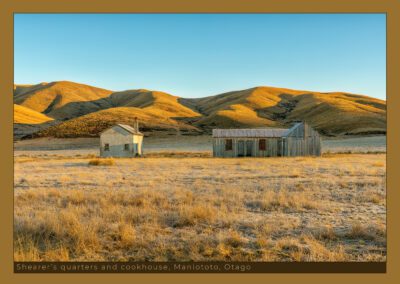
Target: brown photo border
point(9, 7)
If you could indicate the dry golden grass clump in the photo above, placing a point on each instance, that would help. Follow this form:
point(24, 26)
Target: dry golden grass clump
point(307, 248)
point(285, 200)
point(360, 231)
point(102, 162)
point(199, 209)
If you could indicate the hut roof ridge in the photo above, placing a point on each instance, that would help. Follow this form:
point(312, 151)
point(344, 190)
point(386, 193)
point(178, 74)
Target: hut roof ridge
point(128, 128)
point(257, 132)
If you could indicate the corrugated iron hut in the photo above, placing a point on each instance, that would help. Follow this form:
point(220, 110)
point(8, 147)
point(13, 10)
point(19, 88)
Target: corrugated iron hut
point(121, 141)
point(300, 140)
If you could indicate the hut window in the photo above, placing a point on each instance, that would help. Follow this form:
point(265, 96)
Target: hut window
point(126, 147)
point(106, 147)
point(261, 145)
point(228, 145)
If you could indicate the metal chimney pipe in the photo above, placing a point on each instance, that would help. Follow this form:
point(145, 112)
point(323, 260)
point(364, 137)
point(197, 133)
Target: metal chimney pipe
point(136, 126)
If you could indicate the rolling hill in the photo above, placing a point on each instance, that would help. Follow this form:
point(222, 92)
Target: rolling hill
point(153, 102)
point(25, 115)
point(61, 100)
point(92, 124)
point(330, 113)
point(82, 110)
point(28, 121)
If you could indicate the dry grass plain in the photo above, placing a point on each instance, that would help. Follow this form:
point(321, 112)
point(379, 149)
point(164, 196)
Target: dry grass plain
point(158, 208)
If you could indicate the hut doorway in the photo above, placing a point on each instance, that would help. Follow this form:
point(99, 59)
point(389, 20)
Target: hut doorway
point(249, 148)
point(280, 148)
point(240, 148)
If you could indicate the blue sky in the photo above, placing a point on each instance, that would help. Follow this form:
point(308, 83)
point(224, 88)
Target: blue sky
point(197, 55)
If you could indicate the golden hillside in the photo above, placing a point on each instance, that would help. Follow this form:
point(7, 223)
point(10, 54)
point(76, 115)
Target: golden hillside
point(153, 102)
point(61, 100)
point(65, 100)
point(88, 110)
point(28, 116)
point(85, 110)
point(330, 113)
point(94, 123)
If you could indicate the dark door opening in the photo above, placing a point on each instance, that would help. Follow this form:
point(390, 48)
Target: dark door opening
point(240, 148)
point(249, 148)
point(281, 149)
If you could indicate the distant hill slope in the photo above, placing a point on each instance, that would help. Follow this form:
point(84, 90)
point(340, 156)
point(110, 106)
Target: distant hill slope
point(82, 110)
point(62, 100)
point(153, 102)
point(330, 113)
point(28, 121)
point(25, 115)
point(94, 123)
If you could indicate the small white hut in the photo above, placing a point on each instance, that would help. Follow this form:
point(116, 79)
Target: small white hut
point(121, 140)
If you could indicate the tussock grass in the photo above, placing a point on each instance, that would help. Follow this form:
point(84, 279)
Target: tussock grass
point(102, 162)
point(326, 233)
point(372, 196)
point(283, 200)
point(191, 216)
point(198, 209)
point(371, 232)
point(307, 248)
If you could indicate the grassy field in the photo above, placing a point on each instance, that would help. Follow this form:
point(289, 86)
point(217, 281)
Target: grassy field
point(74, 207)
